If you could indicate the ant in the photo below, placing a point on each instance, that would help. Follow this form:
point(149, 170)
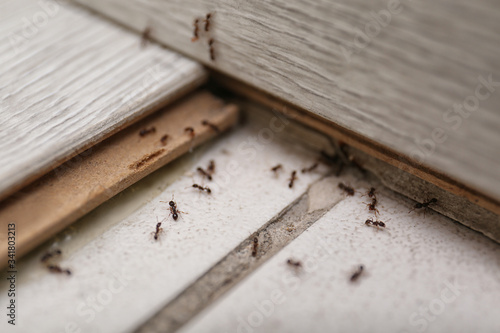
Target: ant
point(190, 131)
point(377, 223)
point(276, 168)
point(311, 168)
point(370, 193)
point(51, 266)
point(164, 139)
point(212, 51)
point(195, 32)
point(50, 254)
point(425, 204)
point(173, 209)
point(158, 229)
point(212, 126)
point(255, 246)
point(292, 179)
point(355, 276)
point(293, 263)
point(201, 188)
point(204, 173)
point(371, 206)
point(207, 21)
point(146, 131)
point(211, 167)
point(146, 36)
point(57, 269)
point(349, 190)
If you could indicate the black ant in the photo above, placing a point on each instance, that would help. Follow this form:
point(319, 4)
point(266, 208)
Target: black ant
point(164, 139)
point(370, 193)
point(212, 51)
point(311, 168)
point(355, 276)
point(204, 173)
point(146, 36)
point(146, 131)
point(425, 204)
point(347, 189)
point(292, 179)
point(207, 21)
point(255, 246)
point(195, 32)
point(158, 229)
point(211, 167)
point(201, 188)
point(57, 269)
point(54, 268)
point(190, 131)
point(173, 209)
point(50, 254)
point(212, 126)
point(293, 263)
point(276, 168)
point(377, 223)
point(371, 206)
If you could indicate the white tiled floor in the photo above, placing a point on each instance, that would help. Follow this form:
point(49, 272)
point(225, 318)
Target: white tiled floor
point(421, 275)
point(121, 276)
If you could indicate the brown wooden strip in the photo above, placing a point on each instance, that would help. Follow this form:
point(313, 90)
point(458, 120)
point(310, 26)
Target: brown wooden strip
point(84, 182)
point(364, 144)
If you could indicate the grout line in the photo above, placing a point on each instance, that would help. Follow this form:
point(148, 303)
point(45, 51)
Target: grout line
point(239, 263)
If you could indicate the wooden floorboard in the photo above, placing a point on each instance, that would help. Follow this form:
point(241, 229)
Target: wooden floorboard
point(71, 79)
point(59, 198)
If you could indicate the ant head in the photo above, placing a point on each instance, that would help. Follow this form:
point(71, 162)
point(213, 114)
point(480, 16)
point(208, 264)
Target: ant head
point(158, 224)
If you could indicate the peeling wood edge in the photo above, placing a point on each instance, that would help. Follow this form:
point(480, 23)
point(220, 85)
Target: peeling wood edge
point(360, 142)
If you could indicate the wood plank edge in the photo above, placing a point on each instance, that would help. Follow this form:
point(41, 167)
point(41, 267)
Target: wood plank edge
point(179, 93)
point(97, 194)
point(362, 143)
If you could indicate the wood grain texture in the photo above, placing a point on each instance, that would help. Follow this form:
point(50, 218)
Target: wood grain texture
point(70, 79)
point(395, 87)
point(70, 191)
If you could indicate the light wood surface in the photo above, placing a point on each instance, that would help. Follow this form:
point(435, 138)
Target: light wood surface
point(69, 79)
point(395, 88)
point(70, 191)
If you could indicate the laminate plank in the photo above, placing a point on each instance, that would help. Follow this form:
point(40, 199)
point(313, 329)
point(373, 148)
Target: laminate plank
point(69, 79)
point(64, 195)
